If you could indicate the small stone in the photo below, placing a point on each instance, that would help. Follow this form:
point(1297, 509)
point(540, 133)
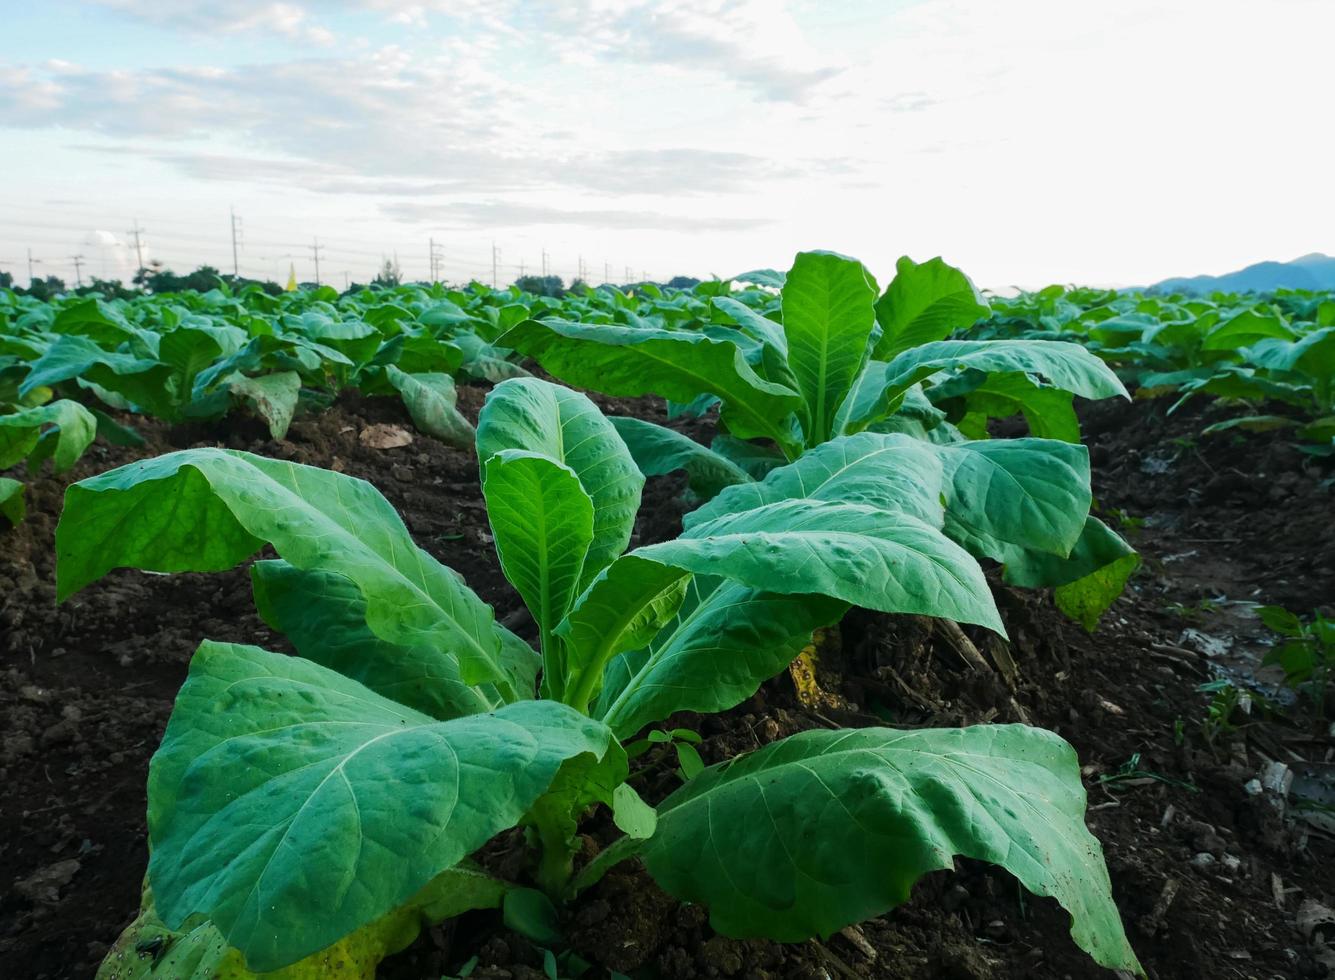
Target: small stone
point(1202, 861)
point(1230, 863)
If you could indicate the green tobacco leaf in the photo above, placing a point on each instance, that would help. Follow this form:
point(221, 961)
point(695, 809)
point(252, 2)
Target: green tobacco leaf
point(724, 641)
point(1048, 411)
point(760, 327)
point(623, 608)
point(187, 352)
point(73, 428)
point(542, 521)
point(1006, 493)
point(430, 400)
point(658, 450)
point(828, 828)
point(323, 614)
point(12, 507)
point(115, 433)
point(1087, 582)
point(827, 318)
point(563, 425)
point(1067, 366)
point(142, 382)
point(889, 472)
point(1251, 423)
point(1245, 328)
point(482, 360)
point(95, 319)
point(207, 510)
point(277, 805)
point(677, 365)
point(925, 302)
point(272, 397)
point(148, 950)
point(753, 457)
point(891, 562)
point(631, 814)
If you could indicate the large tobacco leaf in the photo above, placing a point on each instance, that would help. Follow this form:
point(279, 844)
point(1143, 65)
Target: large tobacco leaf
point(1002, 493)
point(723, 642)
point(827, 320)
point(323, 614)
point(209, 509)
point(658, 450)
point(542, 521)
point(926, 301)
point(525, 414)
point(1067, 366)
point(61, 430)
point(883, 560)
point(828, 828)
point(889, 472)
point(291, 806)
point(675, 364)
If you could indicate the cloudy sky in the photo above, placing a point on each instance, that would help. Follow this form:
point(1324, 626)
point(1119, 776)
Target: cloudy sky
point(1029, 141)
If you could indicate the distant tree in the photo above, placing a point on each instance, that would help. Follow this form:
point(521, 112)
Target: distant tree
point(157, 278)
point(107, 288)
point(682, 282)
point(44, 289)
point(6, 281)
point(577, 286)
point(542, 285)
point(389, 275)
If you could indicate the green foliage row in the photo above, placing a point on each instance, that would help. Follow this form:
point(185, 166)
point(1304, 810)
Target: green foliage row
point(1254, 349)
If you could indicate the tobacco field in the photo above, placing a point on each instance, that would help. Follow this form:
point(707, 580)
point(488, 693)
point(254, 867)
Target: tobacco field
point(828, 622)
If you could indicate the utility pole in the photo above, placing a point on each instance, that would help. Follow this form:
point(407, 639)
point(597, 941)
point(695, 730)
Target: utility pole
point(347, 280)
point(581, 268)
point(136, 231)
point(315, 250)
point(521, 268)
point(495, 259)
point(630, 274)
point(236, 228)
point(437, 261)
point(607, 272)
point(78, 266)
point(32, 262)
point(545, 267)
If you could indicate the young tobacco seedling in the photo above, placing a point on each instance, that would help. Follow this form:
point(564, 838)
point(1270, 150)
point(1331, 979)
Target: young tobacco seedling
point(1307, 654)
point(313, 810)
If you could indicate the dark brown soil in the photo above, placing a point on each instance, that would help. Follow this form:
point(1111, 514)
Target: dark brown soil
point(85, 689)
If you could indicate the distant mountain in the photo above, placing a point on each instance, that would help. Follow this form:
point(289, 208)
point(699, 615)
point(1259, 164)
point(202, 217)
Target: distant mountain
point(1314, 271)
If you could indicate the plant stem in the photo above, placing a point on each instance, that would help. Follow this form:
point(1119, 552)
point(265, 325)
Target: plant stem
point(556, 865)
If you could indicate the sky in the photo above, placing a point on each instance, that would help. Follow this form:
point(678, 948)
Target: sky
point(1027, 141)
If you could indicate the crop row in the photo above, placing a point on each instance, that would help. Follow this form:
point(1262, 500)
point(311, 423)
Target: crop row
point(316, 808)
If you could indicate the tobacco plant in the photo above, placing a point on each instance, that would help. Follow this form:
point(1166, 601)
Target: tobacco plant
point(833, 359)
point(307, 813)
